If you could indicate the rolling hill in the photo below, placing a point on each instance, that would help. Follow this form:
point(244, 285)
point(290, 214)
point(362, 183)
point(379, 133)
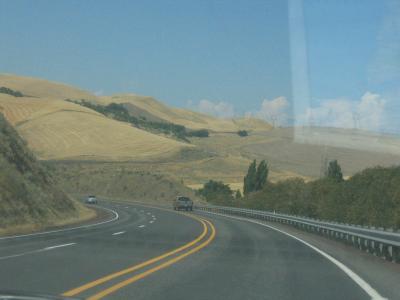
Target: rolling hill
point(58, 129)
point(40, 88)
point(157, 111)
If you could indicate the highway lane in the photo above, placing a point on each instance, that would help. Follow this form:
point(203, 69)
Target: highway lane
point(247, 261)
point(97, 251)
point(243, 261)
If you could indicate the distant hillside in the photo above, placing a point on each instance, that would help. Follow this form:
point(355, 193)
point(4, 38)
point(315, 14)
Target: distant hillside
point(118, 181)
point(29, 198)
point(152, 109)
point(41, 88)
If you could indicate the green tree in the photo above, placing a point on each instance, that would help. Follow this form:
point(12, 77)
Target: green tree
point(334, 171)
point(261, 175)
point(249, 182)
point(238, 195)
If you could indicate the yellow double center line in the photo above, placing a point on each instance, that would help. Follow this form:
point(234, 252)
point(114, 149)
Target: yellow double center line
point(146, 273)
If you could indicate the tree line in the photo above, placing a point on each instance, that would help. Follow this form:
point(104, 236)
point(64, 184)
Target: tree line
point(8, 91)
point(370, 197)
point(119, 112)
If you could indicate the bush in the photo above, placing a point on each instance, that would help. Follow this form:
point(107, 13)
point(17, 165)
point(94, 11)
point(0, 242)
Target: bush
point(5, 90)
point(216, 192)
point(242, 133)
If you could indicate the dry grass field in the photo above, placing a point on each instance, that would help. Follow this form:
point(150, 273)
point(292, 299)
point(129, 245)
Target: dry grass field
point(57, 129)
point(76, 135)
point(24, 109)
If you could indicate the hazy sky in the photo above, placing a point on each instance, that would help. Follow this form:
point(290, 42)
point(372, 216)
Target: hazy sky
point(221, 57)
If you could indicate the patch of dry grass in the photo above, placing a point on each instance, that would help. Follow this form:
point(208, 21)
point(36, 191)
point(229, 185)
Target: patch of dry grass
point(118, 181)
point(56, 129)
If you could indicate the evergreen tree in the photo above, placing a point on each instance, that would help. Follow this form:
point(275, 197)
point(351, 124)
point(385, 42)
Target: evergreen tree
point(334, 171)
point(249, 183)
point(261, 175)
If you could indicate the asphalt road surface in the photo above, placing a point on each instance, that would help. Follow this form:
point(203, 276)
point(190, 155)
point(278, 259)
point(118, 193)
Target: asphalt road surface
point(153, 253)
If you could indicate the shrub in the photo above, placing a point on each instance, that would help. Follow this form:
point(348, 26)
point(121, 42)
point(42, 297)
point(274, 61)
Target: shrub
point(242, 133)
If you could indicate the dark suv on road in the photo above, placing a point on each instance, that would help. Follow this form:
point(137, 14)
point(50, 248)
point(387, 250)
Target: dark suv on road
point(183, 203)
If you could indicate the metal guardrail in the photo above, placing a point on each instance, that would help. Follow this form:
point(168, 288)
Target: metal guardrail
point(379, 243)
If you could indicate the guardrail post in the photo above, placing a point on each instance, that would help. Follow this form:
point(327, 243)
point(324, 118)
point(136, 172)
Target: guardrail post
point(396, 254)
point(377, 249)
point(368, 246)
point(385, 252)
point(362, 244)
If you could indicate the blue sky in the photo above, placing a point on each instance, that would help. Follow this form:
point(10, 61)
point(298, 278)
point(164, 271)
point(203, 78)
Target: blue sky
point(233, 56)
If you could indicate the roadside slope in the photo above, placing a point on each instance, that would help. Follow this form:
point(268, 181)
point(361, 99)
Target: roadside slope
point(29, 199)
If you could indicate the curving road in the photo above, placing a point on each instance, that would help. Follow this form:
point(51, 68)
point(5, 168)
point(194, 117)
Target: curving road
point(153, 253)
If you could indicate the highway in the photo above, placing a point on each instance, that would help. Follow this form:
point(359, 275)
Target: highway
point(155, 253)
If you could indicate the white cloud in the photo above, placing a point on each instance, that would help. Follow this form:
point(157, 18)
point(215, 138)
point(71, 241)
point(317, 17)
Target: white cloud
point(366, 113)
point(274, 111)
point(371, 110)
point(218, 109)
point(99, 93)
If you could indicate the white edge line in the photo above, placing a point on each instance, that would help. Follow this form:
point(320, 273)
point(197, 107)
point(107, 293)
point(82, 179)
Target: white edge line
point(116, 217)
point(356, 278)
point(141, 226)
